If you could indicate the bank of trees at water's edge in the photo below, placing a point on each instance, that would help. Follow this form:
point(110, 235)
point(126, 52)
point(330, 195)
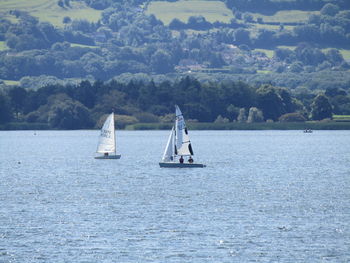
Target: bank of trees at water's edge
point(84, 105)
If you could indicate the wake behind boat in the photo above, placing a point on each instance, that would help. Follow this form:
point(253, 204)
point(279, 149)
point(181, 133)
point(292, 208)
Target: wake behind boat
point(106, 143)
point(179, 146)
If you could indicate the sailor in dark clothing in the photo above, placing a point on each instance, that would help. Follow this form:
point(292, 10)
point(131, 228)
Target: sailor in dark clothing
point(181, 159)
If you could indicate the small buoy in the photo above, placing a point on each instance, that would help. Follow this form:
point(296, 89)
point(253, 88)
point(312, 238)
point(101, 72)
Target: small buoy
point(19, 162)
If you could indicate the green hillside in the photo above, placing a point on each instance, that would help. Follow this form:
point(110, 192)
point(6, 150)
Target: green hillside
point(211, 10)
point(48, 10)
point(257, 40)
point(3, 45)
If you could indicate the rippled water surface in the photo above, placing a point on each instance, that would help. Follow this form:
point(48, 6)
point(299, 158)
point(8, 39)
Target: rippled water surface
point(265, 196)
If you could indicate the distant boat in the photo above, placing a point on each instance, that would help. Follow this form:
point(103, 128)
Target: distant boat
point(179, 146)
point(106, 144)
point(307, 131)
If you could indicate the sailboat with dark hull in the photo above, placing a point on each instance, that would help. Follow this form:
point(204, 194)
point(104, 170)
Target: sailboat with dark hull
point(106, 144)
point(179, 146)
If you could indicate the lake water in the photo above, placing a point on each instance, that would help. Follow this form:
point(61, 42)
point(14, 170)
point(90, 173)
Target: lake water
point(265, 196)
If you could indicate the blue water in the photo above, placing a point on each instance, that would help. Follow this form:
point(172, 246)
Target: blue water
point(265, 196)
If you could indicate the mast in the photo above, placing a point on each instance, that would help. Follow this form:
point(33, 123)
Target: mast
point(113, 134)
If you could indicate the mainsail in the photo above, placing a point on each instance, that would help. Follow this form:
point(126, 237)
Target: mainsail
point(169, 149)
point(106, 142)
point(182, 140)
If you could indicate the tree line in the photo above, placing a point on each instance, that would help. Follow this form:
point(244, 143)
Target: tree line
point(84, 105)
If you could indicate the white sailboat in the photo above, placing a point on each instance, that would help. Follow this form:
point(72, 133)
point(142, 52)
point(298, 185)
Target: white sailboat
point(106, 144)
point(178, 146)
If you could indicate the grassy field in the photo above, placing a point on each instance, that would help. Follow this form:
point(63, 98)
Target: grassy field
point(269, 53)
point(81, 45)
point(3, 46)
point(287, 47)
point(341, 118)
point(287, 16)
point(264, 71)
point(345, 53)
point(211, 10)
point(48, 10)
point(271, 27)
point(11, 82)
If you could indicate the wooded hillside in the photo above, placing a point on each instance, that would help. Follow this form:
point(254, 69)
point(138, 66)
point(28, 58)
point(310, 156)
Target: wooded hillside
point(295, 44)
point(238, 37)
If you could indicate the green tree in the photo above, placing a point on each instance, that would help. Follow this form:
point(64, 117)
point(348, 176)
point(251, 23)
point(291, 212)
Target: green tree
point(232, 111)
point(334, 56)
point(242, 116)
point(5, 108)
point(321, 108)
point(18, 98)
point(60, 3)
point(264, 38)
point(255, 115)
point(292, 117)
point(270, 102)
point(177, 24)
point(221, 119)
point(66, 20)
point(85, 93)
point(341, 104)
point(329, 9)
point(64, 113)
point(111, 101)
point(287, 99)
point(161, 62)
point(242, 36)
point(198, 23)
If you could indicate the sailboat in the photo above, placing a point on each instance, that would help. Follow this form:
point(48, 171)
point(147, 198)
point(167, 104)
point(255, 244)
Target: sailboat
point(106, 143)
point(178, 146)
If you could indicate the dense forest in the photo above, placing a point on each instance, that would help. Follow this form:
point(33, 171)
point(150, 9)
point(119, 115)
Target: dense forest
point(86, 104)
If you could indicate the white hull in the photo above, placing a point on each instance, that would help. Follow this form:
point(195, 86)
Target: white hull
point(117, 156)
point(180, 165)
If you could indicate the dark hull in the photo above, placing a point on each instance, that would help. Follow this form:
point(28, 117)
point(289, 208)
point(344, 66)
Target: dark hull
point(181, 165)
point(113, 157)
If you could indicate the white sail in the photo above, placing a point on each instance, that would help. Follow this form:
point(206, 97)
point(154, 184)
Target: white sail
point(169, 149)
point(106, 142)
point(182, 140)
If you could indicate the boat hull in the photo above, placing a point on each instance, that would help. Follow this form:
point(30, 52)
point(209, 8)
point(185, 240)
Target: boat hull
point(181, 165)
point(113, 157)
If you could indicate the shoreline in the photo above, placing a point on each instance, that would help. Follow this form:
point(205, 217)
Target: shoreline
point(313, 125)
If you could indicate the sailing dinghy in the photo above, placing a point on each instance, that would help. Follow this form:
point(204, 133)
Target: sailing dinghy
point(178, 146)
point(106, 144)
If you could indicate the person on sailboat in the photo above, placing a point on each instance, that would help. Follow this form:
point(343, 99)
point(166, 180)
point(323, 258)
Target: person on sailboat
point(106, 154)
point(181, 159)
point(190, 160)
